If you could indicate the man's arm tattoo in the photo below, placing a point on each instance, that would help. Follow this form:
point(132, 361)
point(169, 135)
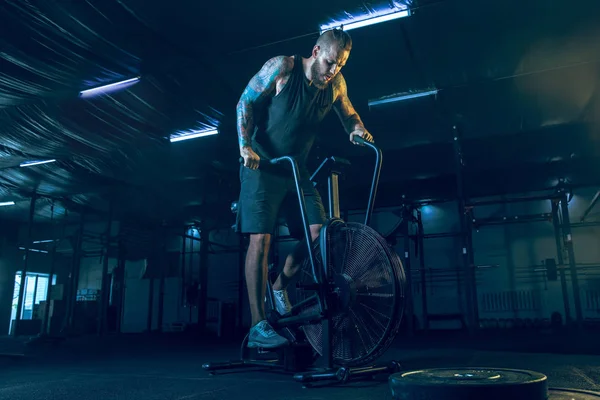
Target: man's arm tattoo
point(245, 123)
point(260, 86)
point(344, 108)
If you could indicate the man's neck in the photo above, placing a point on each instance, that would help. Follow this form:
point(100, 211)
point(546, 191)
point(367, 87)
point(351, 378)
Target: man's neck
point(307, 64)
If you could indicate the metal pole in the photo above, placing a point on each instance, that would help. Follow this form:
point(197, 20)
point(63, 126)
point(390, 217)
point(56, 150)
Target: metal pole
point(204, 235)
point(375, 182)
point(25, 263)
point(334, 195)
point(420, 239)
point(568, 240)
point(74, 276)
point(51, 274)
point(590, 206)
point(561, 260)
point(241, 277)
point(472, 266)
point(163, 265)
point(407, 218)
point(35, 286)
point(466, 246)
point(152, 264)
point(183, 243)
point(119, 284)
point(104, 284)
point(191, 276)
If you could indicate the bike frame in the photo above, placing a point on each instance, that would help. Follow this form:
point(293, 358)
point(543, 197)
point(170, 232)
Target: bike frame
point(321, 278)
point(321, 284)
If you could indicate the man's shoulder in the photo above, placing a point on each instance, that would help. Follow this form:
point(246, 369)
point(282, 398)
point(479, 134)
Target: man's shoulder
point(339, 85)
point(339, 80)
point(282, 64)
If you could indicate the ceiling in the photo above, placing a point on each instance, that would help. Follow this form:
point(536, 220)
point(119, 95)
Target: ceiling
point(518, 80)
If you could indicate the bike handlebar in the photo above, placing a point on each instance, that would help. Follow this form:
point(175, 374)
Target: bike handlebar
point(374, 184)
point(360, 140)
point(264, 162)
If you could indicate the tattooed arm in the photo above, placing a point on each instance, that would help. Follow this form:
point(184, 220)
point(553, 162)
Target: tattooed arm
point(266, 82)
point(346, 112)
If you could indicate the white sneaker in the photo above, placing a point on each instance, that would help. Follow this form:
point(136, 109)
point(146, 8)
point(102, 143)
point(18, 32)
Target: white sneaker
point(263, 335)
point(282, 302)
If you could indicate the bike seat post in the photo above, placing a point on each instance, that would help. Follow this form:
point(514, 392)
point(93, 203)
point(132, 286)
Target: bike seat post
point(334, 193)
point(334, 167)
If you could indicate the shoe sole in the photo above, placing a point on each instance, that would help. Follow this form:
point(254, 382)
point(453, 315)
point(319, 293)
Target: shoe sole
point(273, 346)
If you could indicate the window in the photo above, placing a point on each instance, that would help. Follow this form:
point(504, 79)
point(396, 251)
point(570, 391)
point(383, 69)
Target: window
point(36, 290)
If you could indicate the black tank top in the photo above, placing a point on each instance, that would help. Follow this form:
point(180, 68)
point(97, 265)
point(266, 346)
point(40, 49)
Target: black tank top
point(289, 121)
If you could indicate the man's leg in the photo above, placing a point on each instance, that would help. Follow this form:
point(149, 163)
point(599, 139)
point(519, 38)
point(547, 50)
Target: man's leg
point(256, 274)
point(294, 260)
point(316, 218)
point(260, 199)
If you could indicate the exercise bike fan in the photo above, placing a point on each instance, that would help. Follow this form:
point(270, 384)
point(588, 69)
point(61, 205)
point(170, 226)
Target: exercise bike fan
point(366, 310)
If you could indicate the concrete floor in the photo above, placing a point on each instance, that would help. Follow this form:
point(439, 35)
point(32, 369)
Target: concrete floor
point(151, 367)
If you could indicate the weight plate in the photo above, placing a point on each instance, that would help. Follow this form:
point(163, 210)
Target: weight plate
point(572, 394)
point(469, 384)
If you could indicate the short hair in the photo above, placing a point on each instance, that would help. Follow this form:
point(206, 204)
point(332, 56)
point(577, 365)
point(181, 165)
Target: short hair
point(337, 36)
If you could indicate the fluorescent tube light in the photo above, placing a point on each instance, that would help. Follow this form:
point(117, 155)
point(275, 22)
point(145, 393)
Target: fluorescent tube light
point(34, 250)
point(43, 241)
point(108, 88)
point(7, 203)
point(193, 134)
point(32, 163)
point(353, 24)
point(401, 97)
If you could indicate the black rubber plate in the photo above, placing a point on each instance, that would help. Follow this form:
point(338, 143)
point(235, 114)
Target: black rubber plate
point(469, 383)
point(572, 394)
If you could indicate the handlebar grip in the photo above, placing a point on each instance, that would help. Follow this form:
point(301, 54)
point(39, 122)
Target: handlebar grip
point(359, 140)
point(263, 161)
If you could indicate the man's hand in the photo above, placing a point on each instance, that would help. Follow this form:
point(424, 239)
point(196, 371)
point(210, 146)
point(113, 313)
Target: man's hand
point(363, 134)
point(251, 159)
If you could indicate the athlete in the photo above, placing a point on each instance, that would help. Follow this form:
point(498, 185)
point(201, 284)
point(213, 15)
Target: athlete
point(278, 115)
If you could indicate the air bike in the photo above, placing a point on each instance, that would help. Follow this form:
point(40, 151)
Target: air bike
point(349, 297)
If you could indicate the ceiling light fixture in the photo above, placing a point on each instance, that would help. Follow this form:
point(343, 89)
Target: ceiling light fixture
point(401, 97)
point(34, 250)
point(32, 163)
point(7, 203)
point(108, 88)
point(193, 134)
point(354, 23)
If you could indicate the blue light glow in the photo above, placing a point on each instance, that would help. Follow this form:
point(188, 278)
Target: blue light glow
point(401, 97)
point(32, 163)
point(108, 88)
point(428, 210)
point(354, 23)
point(192, 134)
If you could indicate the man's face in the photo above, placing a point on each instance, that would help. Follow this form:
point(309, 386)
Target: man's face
point(328, 63)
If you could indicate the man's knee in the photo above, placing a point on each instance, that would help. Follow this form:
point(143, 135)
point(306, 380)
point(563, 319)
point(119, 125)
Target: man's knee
point(260, 243)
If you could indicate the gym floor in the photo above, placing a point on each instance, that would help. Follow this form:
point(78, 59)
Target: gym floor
point(152, 367)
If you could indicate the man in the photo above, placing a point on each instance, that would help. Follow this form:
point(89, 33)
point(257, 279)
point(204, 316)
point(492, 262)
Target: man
point(278, 115)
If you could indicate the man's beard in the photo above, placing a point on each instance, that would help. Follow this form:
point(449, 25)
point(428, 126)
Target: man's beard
point(317, 77)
